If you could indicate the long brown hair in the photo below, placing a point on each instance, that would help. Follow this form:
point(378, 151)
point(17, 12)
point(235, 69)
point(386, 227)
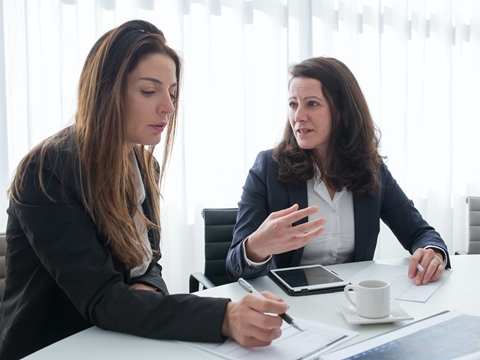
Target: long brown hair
point(106, 175)
point(352, 156)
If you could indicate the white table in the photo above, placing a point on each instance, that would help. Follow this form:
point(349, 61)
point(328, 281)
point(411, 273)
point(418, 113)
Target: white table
point(456, 293)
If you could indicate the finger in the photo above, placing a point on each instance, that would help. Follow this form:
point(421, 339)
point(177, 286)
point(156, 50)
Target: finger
point(435, 270)
point(414, 261)
point(299, 241)
point(284, 212)
point(300, 214)
point(271, 296)
point(257, 337)
point(266, 334)
point(308, 226)
point(266, 305)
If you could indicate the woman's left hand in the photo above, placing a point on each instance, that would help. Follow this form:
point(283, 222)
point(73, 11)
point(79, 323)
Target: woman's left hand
point(431, 260)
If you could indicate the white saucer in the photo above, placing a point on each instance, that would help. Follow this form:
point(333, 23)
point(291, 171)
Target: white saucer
point(396, 314)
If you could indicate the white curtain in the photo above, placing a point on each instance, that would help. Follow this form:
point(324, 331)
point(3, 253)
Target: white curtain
point(417, 62)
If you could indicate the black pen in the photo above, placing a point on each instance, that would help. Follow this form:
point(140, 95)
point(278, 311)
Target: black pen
point(252, 290)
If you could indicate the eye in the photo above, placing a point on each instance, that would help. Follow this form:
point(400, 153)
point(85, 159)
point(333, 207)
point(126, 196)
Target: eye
point(147, 93)
point(313, 103)
point(292, 104)
point(173, 96)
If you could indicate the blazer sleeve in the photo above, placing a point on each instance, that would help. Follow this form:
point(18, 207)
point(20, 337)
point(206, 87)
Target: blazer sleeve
point(405, 221)
point(68, 245)
point(262, 194)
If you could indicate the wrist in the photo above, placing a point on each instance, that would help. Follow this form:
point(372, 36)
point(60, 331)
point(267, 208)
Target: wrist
point(226, 320)
point(251, 254)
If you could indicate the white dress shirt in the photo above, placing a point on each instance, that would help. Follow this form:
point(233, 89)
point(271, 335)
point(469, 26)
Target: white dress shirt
point(337, 242)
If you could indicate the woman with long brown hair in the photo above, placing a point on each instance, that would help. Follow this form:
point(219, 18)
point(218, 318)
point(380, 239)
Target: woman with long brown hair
point(83, 230)
point(319, 195)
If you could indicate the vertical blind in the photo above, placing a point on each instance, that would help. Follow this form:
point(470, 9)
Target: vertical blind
point(416, 61)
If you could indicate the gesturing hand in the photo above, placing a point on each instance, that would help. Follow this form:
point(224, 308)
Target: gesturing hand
point(277, 234)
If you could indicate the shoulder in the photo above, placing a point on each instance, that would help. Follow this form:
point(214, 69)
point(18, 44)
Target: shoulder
point(264, 162)
point(58, 154)
point(54, 158)
point(266, 156)
point(386, 177)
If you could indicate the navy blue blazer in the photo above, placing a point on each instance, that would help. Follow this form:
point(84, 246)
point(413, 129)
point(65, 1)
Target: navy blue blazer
point(263, 194)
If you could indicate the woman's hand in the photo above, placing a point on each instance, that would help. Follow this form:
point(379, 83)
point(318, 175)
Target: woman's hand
point(277, 234)
point(432, 262)
point(249, 324)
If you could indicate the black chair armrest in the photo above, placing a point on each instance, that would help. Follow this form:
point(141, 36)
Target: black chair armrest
point(198, 278)
point(461, 252)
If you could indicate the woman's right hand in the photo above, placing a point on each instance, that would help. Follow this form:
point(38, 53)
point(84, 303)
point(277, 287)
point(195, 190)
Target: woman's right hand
point(277, 234)
point(248, 323)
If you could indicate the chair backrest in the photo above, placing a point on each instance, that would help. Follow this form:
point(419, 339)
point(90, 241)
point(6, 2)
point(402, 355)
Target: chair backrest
point(219, 225)
point(473, 203)
point(3, 249)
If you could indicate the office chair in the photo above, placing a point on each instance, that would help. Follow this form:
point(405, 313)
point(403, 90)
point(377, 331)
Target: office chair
point(3, 249)
point(218, 236)
point(473, 229)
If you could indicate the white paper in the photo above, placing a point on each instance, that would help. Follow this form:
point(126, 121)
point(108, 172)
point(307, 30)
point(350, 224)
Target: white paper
point(315, 339)
point(401, 287)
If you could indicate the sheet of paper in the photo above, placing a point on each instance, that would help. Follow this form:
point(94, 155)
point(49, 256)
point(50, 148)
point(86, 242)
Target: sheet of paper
point(315, 339)
point(439, 337)
point(401, 287)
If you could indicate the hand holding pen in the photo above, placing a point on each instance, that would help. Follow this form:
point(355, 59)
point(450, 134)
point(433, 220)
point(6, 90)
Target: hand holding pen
point(244, 284)
point(426, 265)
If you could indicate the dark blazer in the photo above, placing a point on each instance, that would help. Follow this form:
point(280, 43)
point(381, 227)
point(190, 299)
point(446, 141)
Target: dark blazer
point(263, 194)
point(61, 278)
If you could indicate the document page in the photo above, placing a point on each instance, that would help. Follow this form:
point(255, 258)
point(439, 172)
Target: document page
point(315, 339)
point(448, 335)
point(401, 287)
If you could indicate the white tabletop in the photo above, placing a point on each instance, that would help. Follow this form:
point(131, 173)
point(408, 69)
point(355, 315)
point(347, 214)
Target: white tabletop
point(456, 293)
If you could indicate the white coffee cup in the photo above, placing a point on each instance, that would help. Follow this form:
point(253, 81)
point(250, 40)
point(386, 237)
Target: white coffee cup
point(372, 298)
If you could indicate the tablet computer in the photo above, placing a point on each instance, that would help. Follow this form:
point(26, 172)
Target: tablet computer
point(309, 278)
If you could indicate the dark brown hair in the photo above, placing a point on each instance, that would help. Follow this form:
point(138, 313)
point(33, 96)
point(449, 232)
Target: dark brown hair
point(106, 175)
point(352, 159)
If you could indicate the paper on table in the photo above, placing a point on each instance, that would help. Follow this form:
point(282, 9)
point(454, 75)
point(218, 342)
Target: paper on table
point(401, 287)
point(315, 339)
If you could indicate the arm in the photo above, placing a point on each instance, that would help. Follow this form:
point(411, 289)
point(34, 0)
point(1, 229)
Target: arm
point(67, 244)
point(267, 224)
point(413, 232)
point(253, 209)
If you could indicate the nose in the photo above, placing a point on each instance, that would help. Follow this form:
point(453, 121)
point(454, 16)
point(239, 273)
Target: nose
point(299, 114)
point(166, 105)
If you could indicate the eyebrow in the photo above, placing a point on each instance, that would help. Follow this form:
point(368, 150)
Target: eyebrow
point(157, 81)
point(306, 98)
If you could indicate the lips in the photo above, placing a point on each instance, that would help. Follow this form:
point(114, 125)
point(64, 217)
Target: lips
point(304, 131)
point(159, 127)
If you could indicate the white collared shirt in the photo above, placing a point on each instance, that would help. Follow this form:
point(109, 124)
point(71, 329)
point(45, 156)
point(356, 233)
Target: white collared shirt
point(139, 223)
point(337, 243)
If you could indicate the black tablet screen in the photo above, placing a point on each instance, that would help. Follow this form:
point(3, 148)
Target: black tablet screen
point(308, 276)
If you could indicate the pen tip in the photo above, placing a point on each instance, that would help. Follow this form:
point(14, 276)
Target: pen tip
point(297, 327)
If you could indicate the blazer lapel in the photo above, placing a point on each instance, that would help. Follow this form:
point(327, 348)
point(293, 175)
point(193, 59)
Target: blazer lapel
point(360, 214)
